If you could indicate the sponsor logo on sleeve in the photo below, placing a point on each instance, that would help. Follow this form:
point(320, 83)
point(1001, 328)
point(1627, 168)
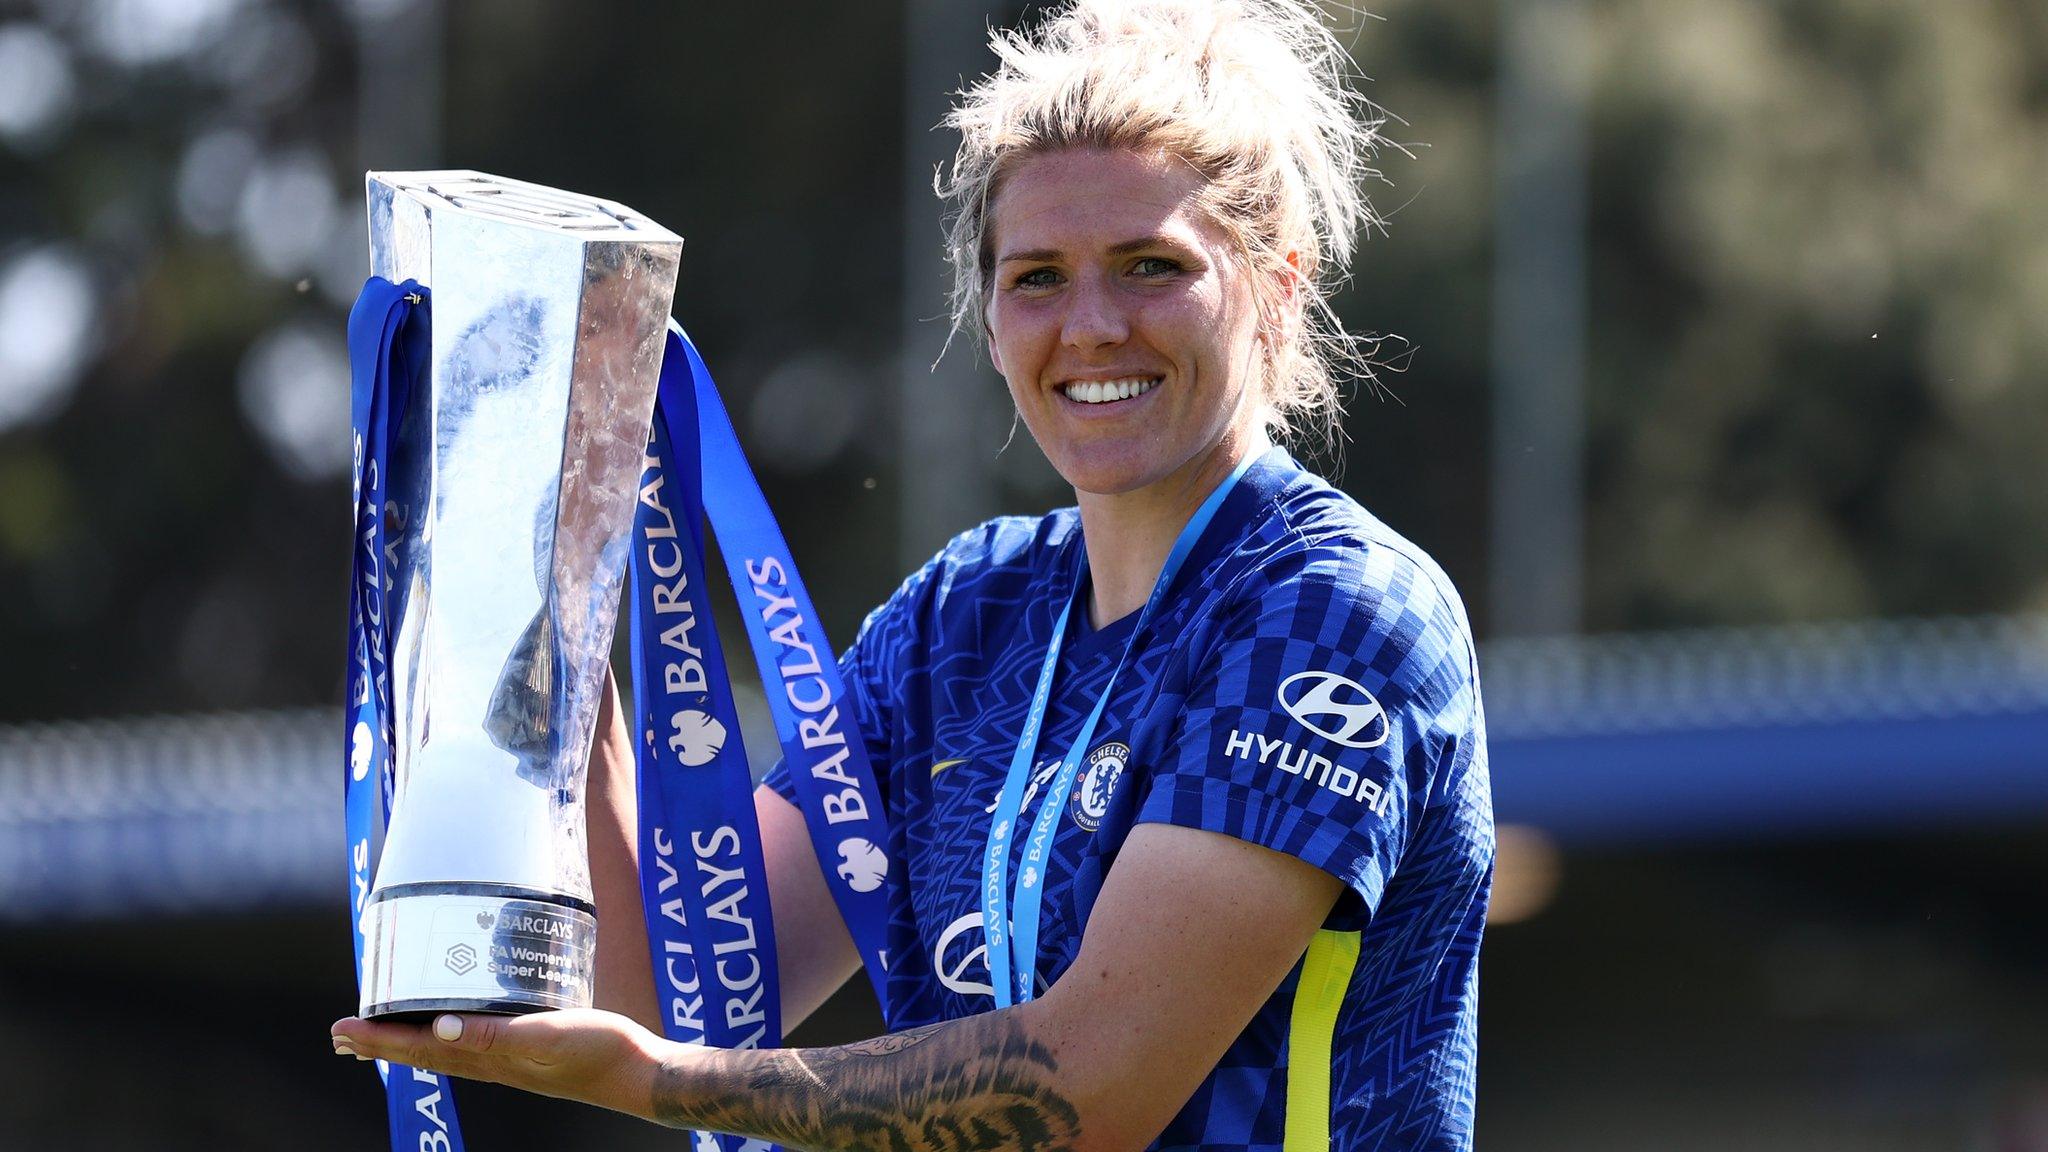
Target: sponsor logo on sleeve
point(1337, 709)
point(1334, 709)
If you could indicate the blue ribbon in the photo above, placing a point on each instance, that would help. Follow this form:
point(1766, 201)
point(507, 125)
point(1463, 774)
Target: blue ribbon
point(1012, 932)
point(820, 737)
point(703, 883)
point(703, 886)
point(709, 929)
point(388, 345)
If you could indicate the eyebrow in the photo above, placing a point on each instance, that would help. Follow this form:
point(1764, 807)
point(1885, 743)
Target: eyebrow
point(1122, 248)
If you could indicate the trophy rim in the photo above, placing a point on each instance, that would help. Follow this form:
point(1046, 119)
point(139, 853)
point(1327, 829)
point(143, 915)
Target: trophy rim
point(419, 1011)
point(425, 185)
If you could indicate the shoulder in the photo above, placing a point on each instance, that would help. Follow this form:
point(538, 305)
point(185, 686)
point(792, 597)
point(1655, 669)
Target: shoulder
point(1321, 571)
point(1322, 698)
point(997, 553)
point(1005, 544)
point(994, 561)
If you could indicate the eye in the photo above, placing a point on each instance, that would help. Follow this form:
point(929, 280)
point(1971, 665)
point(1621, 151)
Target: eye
point(1155, 266)
point(1037, 278)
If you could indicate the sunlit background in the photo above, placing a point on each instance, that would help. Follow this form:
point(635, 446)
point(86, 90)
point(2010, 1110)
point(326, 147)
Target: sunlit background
point(1722, 392)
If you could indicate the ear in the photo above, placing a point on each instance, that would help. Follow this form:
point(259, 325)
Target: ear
point(1284, 317)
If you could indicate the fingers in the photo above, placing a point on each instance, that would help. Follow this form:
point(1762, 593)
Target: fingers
point(597, 1057)
point(438, 1047)
point(373, 1039)
point(470, 1033)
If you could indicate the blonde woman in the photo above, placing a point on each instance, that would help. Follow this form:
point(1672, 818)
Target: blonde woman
point(1238, 713)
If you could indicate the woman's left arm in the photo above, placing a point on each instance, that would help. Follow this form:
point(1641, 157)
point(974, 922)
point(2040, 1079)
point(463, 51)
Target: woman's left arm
point(1192, 933)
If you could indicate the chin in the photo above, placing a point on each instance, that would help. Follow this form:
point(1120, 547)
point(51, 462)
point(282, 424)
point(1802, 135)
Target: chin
point(1108, 470)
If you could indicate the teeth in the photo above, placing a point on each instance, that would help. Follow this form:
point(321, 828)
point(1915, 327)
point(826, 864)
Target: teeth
point(1104, 391)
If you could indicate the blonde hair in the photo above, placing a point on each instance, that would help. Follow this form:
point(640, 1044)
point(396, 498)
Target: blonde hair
point(1252, 95)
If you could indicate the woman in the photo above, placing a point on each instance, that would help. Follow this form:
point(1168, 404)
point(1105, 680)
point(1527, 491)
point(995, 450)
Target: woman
point(1261, 761)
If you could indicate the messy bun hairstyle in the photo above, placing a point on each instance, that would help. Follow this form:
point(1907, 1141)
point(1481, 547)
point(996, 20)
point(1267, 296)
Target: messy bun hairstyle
point(1252, 94)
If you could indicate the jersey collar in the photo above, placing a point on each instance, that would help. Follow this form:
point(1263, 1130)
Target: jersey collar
point(1259, 488)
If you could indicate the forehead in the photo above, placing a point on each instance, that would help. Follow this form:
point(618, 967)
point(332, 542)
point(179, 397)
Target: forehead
point(1082, 198)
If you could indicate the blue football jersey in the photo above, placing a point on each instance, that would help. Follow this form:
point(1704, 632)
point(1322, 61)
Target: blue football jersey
point(1309, 686)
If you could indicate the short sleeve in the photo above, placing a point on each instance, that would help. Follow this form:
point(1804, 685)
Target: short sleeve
point(1328, 703)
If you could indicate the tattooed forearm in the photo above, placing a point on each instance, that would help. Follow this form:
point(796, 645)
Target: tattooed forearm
point(982, 1083)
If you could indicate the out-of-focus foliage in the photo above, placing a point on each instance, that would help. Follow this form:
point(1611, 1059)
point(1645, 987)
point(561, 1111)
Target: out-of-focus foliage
point(1818, 261)
point(194, 167)
point(173, 535)
point(1818, 264)
point(1820, 272)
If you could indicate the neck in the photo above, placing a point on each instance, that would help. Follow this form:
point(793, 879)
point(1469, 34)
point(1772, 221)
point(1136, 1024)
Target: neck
point(1130, 534)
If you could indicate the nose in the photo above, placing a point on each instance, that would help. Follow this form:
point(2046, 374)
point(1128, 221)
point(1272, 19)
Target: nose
point(1094, 317)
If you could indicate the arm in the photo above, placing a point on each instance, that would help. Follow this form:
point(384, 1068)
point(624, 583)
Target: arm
point(624, 980)
point(1168, 974)
point(814, 953)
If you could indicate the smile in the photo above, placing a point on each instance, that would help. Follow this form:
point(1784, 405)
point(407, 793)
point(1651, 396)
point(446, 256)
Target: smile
point(1109, 391)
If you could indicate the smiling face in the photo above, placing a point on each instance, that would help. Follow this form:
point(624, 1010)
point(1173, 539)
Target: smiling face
point(1119, 316)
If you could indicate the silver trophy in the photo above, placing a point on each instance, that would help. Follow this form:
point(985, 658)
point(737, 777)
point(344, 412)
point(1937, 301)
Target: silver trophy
point(513, 481)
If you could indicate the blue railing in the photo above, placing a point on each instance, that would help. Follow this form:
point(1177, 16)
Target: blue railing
point(1888, 726)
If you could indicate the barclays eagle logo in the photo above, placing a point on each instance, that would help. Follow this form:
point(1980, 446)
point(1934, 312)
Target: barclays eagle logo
point(862, 865)
point(695, 737)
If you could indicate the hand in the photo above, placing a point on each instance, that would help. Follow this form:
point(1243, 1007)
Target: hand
point(599, 1058)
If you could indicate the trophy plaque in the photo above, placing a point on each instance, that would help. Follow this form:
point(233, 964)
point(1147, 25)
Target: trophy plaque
point(512, 482)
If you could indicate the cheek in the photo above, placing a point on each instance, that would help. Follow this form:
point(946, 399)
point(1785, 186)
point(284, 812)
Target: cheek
point(1012, 363)
point(1234, 322)
point(1015, 339)
point(1208, 328)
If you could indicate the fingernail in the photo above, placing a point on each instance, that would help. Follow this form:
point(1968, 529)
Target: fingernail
point(341, 1048)
point(448, 1027)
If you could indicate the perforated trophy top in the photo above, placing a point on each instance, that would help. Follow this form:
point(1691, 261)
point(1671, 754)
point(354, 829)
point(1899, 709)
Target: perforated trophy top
point(532, 205)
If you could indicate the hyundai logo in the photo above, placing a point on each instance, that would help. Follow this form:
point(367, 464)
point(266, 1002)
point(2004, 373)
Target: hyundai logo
point(1334, 708)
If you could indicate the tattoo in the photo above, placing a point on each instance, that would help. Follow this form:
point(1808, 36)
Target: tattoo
point(884, 1045)
point(972, 1085)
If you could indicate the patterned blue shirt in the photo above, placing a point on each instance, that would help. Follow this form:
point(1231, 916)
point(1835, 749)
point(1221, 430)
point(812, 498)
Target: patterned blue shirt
point(1309, 686)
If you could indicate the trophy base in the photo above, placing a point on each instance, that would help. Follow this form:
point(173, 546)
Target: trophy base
point(468, 947)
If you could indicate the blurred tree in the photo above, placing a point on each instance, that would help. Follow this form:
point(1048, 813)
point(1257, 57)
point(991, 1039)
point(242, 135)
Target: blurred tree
point(1820, 266)
point(1819, 255)
point(170, 538)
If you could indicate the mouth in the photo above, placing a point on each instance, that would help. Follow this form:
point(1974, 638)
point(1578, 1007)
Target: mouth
point(1109, 391)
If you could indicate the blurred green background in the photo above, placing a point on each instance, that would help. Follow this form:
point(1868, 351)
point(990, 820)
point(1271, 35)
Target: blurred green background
point(1722, 381)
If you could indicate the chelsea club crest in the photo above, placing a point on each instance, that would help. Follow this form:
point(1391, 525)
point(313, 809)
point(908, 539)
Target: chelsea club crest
point(1091, 799)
